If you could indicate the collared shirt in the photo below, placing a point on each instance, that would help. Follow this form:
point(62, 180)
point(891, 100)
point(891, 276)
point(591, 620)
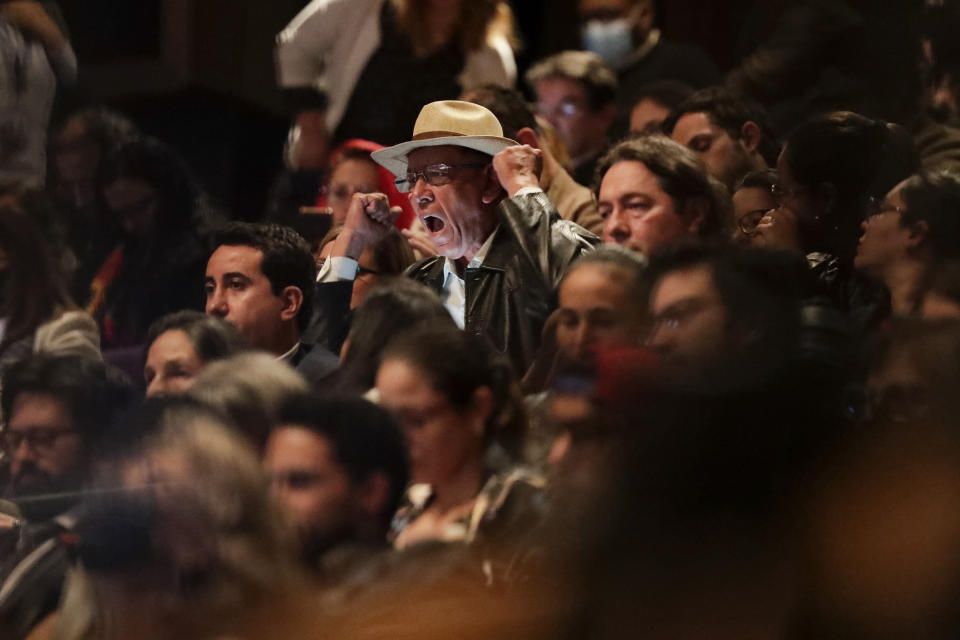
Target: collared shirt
point(288, 356)
point(454, 293)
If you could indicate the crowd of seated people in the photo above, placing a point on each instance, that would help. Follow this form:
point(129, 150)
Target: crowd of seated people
point(610, 346)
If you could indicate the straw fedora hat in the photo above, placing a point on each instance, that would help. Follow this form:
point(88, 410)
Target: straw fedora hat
point(448, 122)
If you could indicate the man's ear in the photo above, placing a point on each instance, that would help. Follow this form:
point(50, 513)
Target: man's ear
point(919, 231)
point(480, 410)
point(292, 299)
point(608, 113)
point(492, 189)
point(750, 136)
point(696, 214)
point(374, 494)
point(529, 137)
point(645, 15)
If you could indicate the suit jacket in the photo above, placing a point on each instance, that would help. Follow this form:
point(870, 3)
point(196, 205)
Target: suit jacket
point(314, 363)
point(511, 294)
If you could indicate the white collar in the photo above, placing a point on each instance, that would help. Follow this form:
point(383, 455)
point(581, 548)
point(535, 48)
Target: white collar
point(450, 267)
point(288, 356)
point(641, 52)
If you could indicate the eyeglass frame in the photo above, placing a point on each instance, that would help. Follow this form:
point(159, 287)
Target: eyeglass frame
point(877, 206)
point(47, 438)
point(752, 230)
point(413, 177)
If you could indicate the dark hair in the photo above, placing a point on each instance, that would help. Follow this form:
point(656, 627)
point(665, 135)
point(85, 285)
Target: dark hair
point(287, 261)
point(860, 157)
point(680, 173)
point(33, 285)
point(393, 305)
point(212, 338)
point(946, 281)
point(508, 105)
point(598, 80)
point(106, 127)
point(457, 364)
point(934, 198)
point(761, 289)
point(91, 392)
point(763, 179)
point(729, 111)
point(181, 202)
point(617, 257)
point(667, 93)
point(365, 440)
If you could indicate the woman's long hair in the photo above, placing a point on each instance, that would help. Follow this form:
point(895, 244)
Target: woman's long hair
point(32, 286)
point(480, 20)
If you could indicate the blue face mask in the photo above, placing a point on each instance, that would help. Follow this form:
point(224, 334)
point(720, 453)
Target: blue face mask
point(611, 40)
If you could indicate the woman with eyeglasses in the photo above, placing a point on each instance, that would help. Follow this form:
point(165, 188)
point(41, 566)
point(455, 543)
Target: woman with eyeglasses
point(829, 168)
point(908, 236)
point(459, 406)
point(752, 200)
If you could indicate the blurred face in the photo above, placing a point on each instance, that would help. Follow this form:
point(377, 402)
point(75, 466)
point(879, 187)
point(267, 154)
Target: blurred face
point(750, 204)
point(798, 199)
point(563, 103)
point(454, 214)
point(351, 176)
point(43, 445)
point(726, 158)
point(689, 319)
point(442, 441)
point(647, 116)
point(597, 309)
point(637, 213)
point(308, 482)
point(172, 364)
point(938, 307)
point(237, 291)
point(134, 205)
point(884, 240)
point(76, 158)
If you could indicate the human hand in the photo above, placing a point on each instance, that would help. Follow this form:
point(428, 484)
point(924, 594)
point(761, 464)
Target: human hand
point(419, 240)
point(30, 17)
point(308, 146)
point(518, 167)
point(369, 218)
point(778, 229)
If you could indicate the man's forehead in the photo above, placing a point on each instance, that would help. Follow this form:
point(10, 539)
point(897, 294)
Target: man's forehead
point(38, 409)
point(235, 258)
point(446, 154)
point(595, 6)
point(688, 283)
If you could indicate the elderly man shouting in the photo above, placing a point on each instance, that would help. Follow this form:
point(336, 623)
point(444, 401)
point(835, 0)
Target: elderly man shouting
point(502, 247)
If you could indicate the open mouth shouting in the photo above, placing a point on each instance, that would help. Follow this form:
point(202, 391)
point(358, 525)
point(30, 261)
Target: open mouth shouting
point(433, 223)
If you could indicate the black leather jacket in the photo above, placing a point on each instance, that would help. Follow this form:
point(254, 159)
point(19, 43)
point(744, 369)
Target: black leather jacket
point(510, 295)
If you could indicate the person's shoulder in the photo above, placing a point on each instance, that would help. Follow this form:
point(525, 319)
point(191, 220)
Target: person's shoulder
point(315, 362)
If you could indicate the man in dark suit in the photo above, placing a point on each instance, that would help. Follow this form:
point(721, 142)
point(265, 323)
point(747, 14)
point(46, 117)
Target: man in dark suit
point(260, 279)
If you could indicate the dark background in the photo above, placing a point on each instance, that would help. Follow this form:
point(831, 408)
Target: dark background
point(199, 74)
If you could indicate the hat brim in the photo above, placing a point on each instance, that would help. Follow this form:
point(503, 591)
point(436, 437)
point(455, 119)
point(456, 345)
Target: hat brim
point(394, 159)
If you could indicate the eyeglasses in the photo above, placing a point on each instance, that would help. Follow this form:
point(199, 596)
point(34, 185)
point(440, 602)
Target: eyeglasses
point(38, 439)
point(747, 224)
point(781, 195)
point(567, 108)
point(878, 206)
point(436, 175)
